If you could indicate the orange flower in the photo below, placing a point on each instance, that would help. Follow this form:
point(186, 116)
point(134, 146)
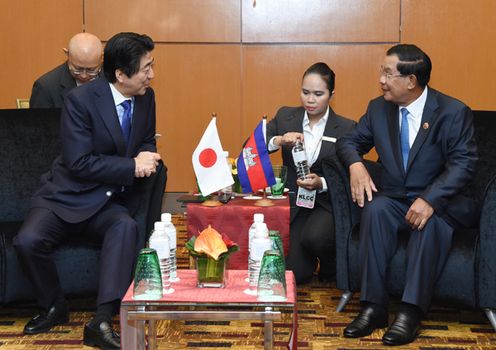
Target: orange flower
point(210, 242)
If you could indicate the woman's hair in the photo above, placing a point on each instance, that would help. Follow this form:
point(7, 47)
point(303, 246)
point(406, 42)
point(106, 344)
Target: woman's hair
point(325, 73)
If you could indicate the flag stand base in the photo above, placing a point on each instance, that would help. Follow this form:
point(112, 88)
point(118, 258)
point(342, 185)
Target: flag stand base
point(264, 203)
point(211, 203)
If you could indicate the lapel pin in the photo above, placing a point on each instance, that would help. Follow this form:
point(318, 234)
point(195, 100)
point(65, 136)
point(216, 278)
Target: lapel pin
point(425, 126)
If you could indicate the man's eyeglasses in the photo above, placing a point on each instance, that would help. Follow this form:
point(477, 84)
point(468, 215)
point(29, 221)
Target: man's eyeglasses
point(92, 72)
point(389, 75)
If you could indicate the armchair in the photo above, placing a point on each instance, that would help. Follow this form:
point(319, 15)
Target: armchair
point(29, 143)
point(469, 277)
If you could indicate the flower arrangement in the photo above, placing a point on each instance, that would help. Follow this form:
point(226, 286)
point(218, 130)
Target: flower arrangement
point(212, 244)
point(210, 251)
point(234, 172)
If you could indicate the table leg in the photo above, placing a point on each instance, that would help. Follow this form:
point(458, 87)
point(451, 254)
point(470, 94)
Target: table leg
point(152, 335)
point(293, 341)
point(268, 332)
point(132, 332)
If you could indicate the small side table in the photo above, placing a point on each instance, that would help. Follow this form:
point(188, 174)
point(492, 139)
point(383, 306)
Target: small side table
point(183, 304)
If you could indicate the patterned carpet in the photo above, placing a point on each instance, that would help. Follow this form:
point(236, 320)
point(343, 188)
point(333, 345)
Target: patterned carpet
point(319, 327)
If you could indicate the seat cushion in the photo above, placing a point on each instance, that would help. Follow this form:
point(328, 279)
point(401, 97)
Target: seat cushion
point(76, 260)
point(456, 283)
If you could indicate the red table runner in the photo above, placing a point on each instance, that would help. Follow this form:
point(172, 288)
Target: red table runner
point(234, 219)
point(186, 291)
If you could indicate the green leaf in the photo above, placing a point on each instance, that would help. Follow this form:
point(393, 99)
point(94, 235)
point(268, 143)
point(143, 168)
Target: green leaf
point(190, 245)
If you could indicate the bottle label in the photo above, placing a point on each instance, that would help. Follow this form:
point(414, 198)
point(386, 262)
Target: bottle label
point(162, 247)
point(258, 248)
point(172, 234)
point(299, 157)
point(306, 198)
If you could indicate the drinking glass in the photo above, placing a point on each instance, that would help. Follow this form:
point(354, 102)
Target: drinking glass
point(272, 278)
point(147, 276)
point(277, 243)
point(280, 173)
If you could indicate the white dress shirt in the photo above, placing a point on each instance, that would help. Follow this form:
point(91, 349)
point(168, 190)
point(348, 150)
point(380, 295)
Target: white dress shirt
point(118, 99)
point(415, 111)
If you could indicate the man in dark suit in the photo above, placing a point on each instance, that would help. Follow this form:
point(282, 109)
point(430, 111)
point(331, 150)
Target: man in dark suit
point(312, 238)
point(425, 144)
point(107, 131)
point(84, 59)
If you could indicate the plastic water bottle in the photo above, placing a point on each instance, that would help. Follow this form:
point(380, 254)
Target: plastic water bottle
point(161, 243)
point(257, 218)
point(170, 229)
point(260, 243)
point(300, 160)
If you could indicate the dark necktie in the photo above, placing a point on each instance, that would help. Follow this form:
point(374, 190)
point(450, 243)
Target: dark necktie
point(126, 120)
point(404, 136)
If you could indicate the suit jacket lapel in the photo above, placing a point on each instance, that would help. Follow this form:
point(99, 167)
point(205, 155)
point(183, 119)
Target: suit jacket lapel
point(428, 117)
point(67, 82)
point(296, 120)
point(106, 108)
point(394, 132)
point(331, 125)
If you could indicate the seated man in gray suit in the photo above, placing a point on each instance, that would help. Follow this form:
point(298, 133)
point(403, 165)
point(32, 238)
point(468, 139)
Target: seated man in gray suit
point(84, 60)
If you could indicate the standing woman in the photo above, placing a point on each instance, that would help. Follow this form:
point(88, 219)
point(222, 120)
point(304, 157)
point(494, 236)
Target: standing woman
point(312, 237)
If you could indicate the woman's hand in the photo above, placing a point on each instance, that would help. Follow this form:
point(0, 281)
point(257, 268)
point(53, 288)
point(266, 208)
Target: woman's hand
point(288, 138)
point(311, 182)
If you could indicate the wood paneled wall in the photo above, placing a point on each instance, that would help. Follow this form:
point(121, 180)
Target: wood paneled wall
point(460, 39)
point(33, 34)
point(245, 58)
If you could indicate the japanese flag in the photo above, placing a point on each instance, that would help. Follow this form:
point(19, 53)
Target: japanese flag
point(211, 168)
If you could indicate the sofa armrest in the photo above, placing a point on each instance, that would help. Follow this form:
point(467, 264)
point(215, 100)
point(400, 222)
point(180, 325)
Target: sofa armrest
point(486, 269)
point(346, 213)
point(152, 190)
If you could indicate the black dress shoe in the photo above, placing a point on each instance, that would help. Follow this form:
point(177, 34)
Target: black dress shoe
point(403, 330)
point(45, 320)
point(371, 317)
point(102, 336)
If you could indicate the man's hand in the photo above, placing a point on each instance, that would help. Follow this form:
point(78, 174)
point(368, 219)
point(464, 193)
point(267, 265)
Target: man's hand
point(360, 183)
point(288, 138)
point(419, 213)
point(146, 163)
point(311, 182)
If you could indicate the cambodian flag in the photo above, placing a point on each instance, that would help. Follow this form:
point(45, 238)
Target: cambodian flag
point(254, 166)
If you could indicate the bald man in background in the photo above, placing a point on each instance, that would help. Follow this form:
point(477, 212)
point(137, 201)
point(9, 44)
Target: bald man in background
point(84, 60)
